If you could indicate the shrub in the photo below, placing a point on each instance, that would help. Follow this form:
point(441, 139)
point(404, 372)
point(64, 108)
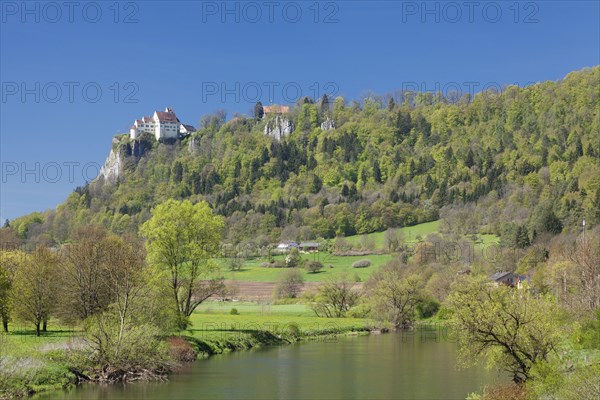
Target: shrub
point(362, 263)
point(181, 350)
point(234, 311)
point(314, 266)
point(235, 264)
point(334, 298)
point(427, 307)
point(289, 284)
point(140, 350)
point(362, 310)
point(367, 242)
point(293, 331)
point(293, 259)
point(444, 313)
point(393, 240)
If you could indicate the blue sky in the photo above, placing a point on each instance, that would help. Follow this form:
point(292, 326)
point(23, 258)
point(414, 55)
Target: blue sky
point(198, 57)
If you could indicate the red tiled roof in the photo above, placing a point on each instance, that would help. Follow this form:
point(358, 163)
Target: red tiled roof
point(276, 109)
point(148, 119)
point(133, 127)
point(166, 116)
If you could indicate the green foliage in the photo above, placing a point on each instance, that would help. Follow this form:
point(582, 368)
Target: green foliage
point(513, 329)
point(259, 111)
point(116, 348)
point(182, 238)
point(564, 378)
point(235, 264)
point(589, 335)
point(5, 286)
point(525, 156)
point(334, 298)
point(234, 311)
point(293, 258)
point(393, 295)
point(289, 284)
point(21, 377)
point(314, 266)
point(23, 224)
point(427, 307)
point(35, 288)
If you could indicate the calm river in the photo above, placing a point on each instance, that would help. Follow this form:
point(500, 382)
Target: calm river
point(391, 366)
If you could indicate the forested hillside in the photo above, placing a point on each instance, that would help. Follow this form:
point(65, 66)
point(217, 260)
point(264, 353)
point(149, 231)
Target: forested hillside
point(517, 163)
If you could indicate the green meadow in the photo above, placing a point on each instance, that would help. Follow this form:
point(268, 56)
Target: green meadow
point(252, 271)
point(334, 266)
point(409, 234)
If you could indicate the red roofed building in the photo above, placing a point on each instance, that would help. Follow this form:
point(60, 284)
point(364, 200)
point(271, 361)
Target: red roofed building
point(276, 109)
point(163, 125)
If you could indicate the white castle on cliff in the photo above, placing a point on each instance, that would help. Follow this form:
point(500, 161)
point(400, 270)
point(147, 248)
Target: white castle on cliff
point(163, 125)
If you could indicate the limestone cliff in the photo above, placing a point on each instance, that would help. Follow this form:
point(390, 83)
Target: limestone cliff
point(111, 169)
point(328, 124)
point(124, 150)
point(279, 127)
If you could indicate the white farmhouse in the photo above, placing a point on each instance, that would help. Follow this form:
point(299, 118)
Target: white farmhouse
point(163, 125)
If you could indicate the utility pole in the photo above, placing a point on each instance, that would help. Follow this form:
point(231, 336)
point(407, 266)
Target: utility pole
point(583, 225)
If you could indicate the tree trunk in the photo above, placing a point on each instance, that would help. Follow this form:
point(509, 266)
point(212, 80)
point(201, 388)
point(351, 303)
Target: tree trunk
point(5, 324)
point(45, 326)
point(37, 329)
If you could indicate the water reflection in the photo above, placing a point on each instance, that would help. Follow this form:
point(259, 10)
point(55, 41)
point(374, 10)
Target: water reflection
point(391, 366)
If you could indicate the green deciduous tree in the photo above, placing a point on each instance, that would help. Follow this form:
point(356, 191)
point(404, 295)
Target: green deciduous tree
point(289, 284)
point(334, 297)
point(514, 329)
point(9, 262)
point(182, 238)
point(35, 288)
point(84, 266)
point(394, 295)
point(4, 298)
point(124, 338)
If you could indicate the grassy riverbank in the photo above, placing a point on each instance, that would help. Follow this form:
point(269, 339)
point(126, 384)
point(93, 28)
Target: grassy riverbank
point(30, 364)
point(215, 329)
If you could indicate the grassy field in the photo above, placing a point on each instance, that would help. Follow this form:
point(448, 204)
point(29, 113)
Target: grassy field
point(29, 364)
point(409, 234)
point(213, 322)
point(210, 308)
point(252, 271)
point(23, 342)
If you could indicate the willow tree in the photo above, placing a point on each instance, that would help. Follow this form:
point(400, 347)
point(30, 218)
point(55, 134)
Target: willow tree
point(182, 239)
point(513, 328)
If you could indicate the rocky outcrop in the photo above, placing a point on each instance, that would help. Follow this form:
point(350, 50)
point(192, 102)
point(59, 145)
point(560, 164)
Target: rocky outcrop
point(140, 146)
point(279, 127)
point(112, 167)
point(194, 144)
point(124, 150)
point(328, 124)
